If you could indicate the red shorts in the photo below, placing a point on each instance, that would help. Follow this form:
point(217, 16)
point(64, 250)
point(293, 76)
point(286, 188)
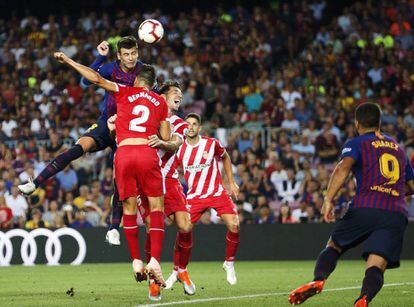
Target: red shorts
point(222, 204)
point(174, 199)
point(137, 168)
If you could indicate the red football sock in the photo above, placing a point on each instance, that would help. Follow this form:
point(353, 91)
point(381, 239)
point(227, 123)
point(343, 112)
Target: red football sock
point(156, 233)
point(232, 241)
point(176, 254)
point(185, 243)
point(131, 235)
point(147, 248)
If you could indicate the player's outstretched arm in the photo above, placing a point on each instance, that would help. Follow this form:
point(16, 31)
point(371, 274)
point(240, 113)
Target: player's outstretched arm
point(103, 50)
point(165, 130)
point(234, 188)
point(171, 145)
point(339, 175)
point(87, 72)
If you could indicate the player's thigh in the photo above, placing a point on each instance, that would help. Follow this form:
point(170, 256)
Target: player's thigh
point(149, 175)
point(99, 135)
point(125, 174)
point(387, 240)
point(354, 228)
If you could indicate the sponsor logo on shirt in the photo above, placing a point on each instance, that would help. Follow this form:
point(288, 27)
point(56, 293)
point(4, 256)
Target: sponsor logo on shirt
point(346, 149)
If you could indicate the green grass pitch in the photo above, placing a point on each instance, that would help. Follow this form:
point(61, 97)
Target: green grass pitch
point(113, 285)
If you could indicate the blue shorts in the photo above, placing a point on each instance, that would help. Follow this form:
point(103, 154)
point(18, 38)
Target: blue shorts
point(381, 230)
point(100, 133)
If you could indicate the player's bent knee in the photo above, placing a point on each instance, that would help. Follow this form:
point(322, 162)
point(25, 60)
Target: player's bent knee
point(377, 261)
point(87, 143)
point(334, 246)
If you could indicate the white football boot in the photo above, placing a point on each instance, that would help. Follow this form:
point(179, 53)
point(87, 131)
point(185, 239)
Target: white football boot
point(228, 266)
point(113, 237)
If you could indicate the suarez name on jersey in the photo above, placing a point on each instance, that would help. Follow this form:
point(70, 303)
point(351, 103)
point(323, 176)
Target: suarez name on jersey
point(168, 163)
point(139, 112)
point(381, 169)
point(201, 169)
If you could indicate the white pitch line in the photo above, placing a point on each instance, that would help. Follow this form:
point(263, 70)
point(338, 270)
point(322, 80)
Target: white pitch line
point(212, 299)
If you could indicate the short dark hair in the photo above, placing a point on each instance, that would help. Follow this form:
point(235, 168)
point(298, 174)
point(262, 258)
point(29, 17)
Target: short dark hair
point(147, 74)
point(127, 42)
point(167, 85)
point(368, 115)
point(194, 115)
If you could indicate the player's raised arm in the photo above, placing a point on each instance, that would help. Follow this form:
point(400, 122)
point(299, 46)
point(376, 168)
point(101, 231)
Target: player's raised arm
point(165, 130)
point(103, 50)
point(86, 72)
point(234, 188)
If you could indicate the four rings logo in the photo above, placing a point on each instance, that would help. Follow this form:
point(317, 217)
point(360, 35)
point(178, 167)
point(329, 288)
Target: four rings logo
point(28, 249)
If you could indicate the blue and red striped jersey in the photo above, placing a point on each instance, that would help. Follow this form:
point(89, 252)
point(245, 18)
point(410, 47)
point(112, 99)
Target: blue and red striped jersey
point(113, 72)
point(381, 169)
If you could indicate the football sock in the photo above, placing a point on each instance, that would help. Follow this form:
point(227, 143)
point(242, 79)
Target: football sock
point(157, 233)
point(117, 210)
point(59, 163)
point(147, 248)
point(185, 243)
point(232, 241)
point(372, 283)
point(176, 254)
point(131, 235)
point(326, 263)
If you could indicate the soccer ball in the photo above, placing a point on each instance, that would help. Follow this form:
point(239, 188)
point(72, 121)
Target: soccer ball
point(150, 31)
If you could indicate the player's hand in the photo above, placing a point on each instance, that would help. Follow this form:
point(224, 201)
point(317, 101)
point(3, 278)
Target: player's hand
point(111, 123)
point(154, 141)
point(61, 57)
point(328, 211)
point(234, 189)
point(103, 48)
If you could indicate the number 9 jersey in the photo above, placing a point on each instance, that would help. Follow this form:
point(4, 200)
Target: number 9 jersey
point(139, 112)
point(381, 169)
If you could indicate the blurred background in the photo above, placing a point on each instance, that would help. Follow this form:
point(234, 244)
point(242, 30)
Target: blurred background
point(275, 81)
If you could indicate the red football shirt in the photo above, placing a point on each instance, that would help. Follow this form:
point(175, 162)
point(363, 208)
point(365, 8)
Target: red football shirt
point(139, 112)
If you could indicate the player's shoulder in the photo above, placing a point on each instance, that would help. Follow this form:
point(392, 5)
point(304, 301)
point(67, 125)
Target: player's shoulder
point(210, 139)
point(176, 120)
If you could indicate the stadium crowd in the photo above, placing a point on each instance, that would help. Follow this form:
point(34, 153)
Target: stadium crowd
point(276, 85)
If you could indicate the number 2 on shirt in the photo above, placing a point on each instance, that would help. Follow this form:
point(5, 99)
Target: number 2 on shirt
point(142, 113)
point(389, 168)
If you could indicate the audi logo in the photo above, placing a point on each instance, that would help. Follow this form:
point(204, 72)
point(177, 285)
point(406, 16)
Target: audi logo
point(28, 249)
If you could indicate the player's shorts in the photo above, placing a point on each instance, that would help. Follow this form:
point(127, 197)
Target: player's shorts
point(382, 231)
point(222, 204)
point(137, 168)
point(101, 135)
point(174, 199)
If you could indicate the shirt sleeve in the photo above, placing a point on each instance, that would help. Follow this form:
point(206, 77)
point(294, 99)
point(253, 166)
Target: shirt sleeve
point(122, 91)
point(219, 149)
point(351, 150)
point(181, 129)
point(409, 172)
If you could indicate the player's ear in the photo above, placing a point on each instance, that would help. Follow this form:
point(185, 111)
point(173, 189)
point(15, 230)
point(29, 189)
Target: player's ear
point(118, 56)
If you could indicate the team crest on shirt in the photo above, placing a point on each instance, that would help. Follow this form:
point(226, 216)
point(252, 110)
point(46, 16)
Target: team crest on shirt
point(205, 155)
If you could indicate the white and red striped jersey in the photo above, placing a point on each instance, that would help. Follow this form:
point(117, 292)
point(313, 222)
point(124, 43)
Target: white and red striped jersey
point(201, 169)
point(178, 127)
